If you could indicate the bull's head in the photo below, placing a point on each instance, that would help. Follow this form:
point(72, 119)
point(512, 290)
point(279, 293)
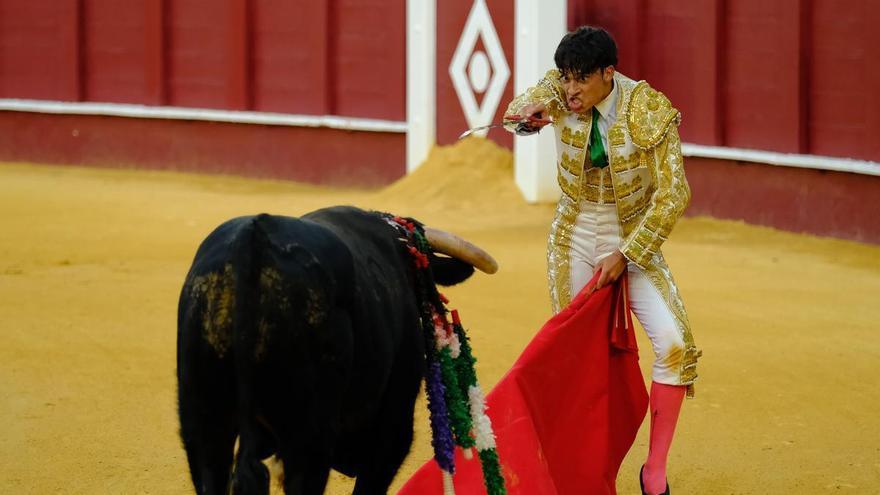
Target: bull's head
point(462, 257)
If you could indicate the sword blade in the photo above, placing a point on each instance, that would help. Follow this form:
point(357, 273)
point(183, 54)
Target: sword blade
point(508, 119)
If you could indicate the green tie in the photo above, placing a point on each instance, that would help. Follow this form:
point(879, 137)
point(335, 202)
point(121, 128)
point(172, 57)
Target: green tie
point(597, 149)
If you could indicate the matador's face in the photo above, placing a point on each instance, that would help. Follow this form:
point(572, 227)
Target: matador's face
point(583, 92)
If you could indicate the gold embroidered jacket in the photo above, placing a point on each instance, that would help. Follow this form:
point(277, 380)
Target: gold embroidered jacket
point(644, 179)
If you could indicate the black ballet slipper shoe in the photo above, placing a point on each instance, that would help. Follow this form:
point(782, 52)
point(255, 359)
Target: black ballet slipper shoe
point(642, 483)
point(641, 480)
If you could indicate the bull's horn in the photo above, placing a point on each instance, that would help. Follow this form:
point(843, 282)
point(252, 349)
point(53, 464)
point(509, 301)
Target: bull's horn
point(457, 247)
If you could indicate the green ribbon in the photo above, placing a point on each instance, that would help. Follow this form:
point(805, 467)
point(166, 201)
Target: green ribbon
point(492, 476)
point(597, 148)
point(456, 404)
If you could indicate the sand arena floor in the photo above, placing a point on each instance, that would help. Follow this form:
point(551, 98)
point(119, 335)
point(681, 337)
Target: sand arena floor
point(91, 264)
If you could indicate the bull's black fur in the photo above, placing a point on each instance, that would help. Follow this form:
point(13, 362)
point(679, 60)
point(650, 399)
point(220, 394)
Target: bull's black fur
point(301, 337)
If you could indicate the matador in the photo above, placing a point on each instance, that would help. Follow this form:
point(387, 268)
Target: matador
point(619, 165)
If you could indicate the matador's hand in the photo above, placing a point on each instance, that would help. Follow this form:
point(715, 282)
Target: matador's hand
point(538, 111)
point(611, 266)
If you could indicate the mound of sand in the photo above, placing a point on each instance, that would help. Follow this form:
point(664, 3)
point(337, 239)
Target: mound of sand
point(473, 174)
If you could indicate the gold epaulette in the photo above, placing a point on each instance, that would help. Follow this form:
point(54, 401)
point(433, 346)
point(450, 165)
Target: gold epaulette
point(649, 116)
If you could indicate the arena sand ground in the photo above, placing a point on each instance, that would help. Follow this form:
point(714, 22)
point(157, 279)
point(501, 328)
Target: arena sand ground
point(91, 263)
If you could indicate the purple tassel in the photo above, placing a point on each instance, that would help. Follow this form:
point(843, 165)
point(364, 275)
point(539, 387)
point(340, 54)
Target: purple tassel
point(444, 446)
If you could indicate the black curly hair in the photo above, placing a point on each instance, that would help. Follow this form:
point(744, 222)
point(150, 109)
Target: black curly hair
point(584, 51)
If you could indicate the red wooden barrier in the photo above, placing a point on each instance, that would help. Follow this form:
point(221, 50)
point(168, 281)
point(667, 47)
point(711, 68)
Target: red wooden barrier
point(306, 154)
point(291, 71)
point(112, 51)
point(338, 57)
point(797, 199)
point(39, 49)
point(318, 57)
point(368, 58)
point(844, 77)
point(790, 76)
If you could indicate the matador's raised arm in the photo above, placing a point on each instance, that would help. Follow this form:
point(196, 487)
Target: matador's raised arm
point(548, 91)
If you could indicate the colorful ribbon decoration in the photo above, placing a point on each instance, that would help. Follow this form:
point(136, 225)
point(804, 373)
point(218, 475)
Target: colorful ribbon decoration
point(456, 402)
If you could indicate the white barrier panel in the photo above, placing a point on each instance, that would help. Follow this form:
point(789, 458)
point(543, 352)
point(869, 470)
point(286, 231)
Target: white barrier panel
point(540, 25)
point(421, 60)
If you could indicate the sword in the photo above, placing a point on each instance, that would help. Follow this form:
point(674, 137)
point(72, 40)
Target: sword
point(508, 119)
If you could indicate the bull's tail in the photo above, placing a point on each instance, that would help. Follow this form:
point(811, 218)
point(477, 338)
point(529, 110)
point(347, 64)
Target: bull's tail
point(249, 475)
point(293, 352)
point(211, 305)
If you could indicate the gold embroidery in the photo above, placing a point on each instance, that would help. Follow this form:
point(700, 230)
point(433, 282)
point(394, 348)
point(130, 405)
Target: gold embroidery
point(572, 165)
point(616, 136)
point(653, 224)
point(661, 279)
point(669, 195)
point(568, 188)
point(634, 208)
point(590, 193)
point(649, 116)
point(623, 163)
point(597, 195)
point(558, 251)
point(575, 138)
point(628, 188)
point(598, 186)
point(628, 225)
point(598, 176)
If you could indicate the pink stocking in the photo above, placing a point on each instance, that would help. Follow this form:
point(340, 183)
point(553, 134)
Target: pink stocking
point(665, 405)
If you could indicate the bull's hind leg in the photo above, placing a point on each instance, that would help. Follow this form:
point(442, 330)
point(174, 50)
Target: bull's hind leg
point(208, 433)
point(206, 404)
point(205, 377)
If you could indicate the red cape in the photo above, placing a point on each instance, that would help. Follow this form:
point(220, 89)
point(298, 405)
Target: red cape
point(568, 410)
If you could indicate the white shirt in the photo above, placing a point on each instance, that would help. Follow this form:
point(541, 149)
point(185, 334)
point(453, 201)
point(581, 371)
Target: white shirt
point(607, 115)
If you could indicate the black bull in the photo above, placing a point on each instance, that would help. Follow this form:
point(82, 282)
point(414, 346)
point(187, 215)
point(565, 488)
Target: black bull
point(301, 338)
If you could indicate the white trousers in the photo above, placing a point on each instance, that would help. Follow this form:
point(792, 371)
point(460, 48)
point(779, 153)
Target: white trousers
point(596, 235)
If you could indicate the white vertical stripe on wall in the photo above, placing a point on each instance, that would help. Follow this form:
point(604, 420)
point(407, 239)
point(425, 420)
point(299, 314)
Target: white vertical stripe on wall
point(421, 101)
point(540, 24)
